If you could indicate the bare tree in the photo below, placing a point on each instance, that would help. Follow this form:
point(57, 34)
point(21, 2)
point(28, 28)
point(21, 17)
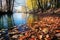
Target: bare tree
point(0, 5)
point(10, 5)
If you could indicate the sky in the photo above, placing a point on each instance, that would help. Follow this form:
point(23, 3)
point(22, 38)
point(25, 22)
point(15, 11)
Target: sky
point(19, 3)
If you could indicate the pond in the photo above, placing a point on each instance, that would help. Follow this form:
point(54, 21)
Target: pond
point(16, 19)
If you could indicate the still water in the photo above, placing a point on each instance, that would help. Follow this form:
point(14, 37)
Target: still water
point(16, 19)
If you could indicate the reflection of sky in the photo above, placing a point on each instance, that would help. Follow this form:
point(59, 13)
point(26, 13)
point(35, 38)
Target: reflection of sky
point(18, 18)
